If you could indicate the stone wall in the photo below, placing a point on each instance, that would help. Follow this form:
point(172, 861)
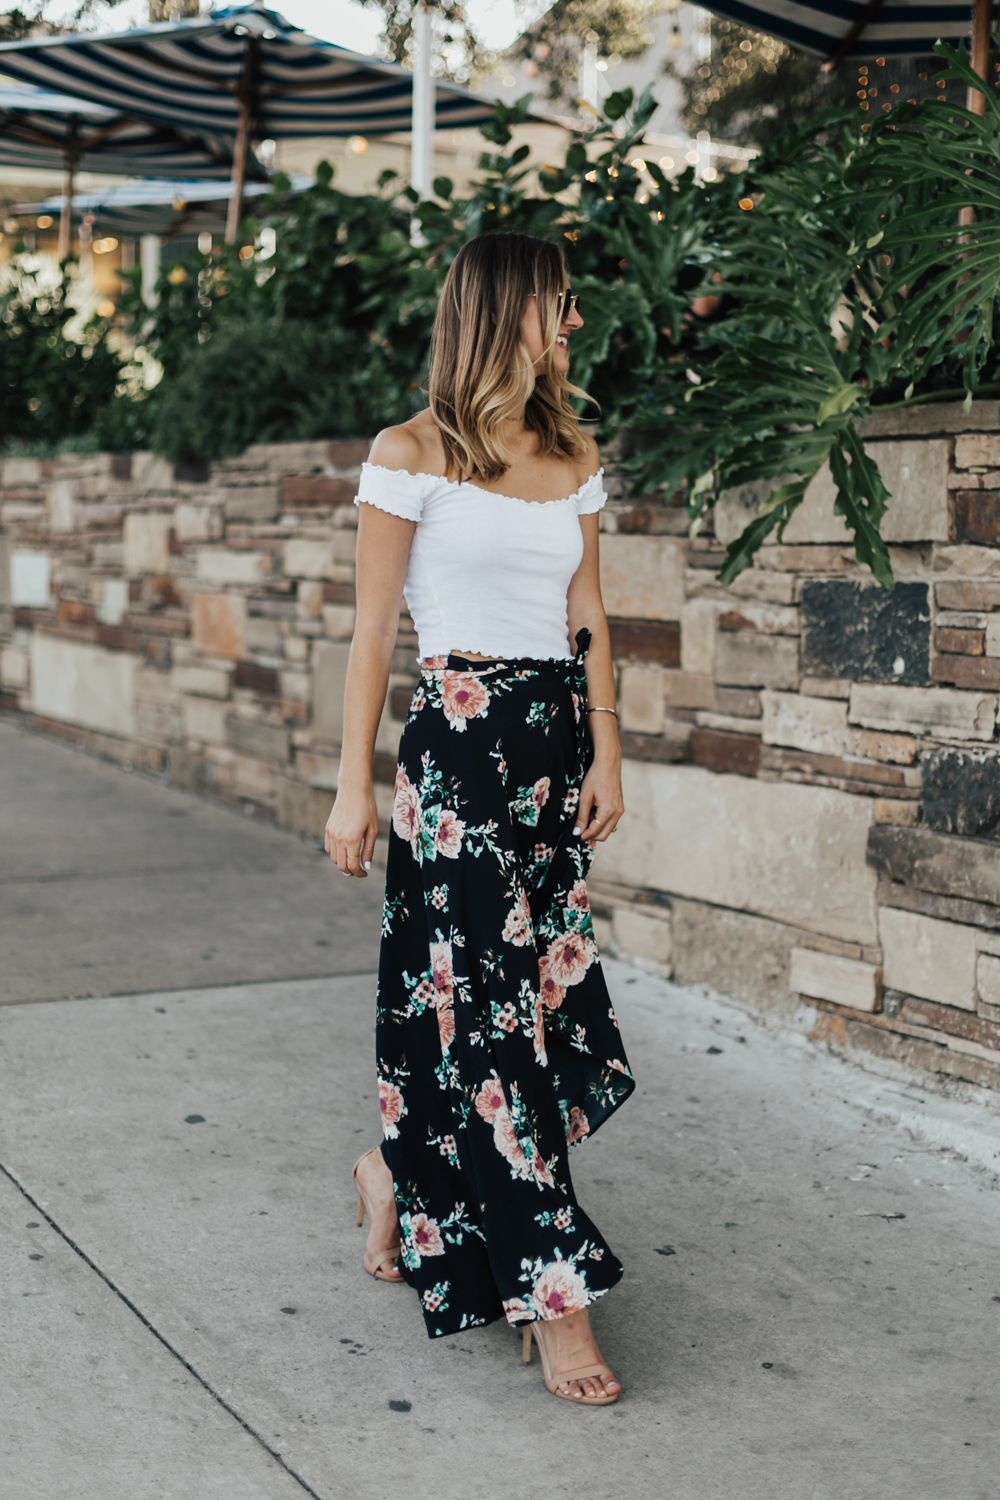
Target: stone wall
point(812, 774)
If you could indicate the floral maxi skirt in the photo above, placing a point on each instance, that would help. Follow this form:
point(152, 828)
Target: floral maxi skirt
point(497, 1044)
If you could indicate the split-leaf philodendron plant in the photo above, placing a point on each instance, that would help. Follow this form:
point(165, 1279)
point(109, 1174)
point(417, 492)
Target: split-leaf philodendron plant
point(848, 269)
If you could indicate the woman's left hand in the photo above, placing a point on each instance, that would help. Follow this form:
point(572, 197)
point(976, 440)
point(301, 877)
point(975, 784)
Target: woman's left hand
point(601, 801)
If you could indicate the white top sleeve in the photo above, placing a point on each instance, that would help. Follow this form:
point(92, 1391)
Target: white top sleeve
point(395, 490)
point(591, 497)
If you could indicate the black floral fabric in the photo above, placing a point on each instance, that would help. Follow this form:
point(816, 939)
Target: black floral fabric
point(496, 1040)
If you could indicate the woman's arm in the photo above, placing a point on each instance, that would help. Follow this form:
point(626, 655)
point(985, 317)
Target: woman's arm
point(601, 802)
point(383, 551)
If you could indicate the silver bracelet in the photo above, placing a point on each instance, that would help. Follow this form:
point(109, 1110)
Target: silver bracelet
point(603, 711)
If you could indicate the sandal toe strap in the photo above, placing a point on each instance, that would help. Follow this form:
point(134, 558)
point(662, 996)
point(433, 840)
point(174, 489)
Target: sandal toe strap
point(379, 1259)
point(565, 1376)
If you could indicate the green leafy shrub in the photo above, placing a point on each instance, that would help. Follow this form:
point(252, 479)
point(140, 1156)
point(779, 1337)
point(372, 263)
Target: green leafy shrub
point(55, 380)
point(740, 328)
point(269, 382)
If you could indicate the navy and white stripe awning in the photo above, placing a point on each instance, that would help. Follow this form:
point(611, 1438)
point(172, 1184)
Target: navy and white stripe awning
point(893, 28)
point(156, 207)
point(41, 130)
point(192, 75)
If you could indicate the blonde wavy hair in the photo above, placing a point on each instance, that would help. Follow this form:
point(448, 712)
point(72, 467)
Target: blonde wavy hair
point(481, 373)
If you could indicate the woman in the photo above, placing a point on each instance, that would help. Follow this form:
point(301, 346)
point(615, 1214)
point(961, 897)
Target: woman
point(497, 1045)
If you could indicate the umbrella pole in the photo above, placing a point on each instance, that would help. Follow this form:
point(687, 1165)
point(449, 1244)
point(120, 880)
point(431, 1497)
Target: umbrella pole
point(982, 26)
point(66, 213)
point(245, 92)
point(239, 173)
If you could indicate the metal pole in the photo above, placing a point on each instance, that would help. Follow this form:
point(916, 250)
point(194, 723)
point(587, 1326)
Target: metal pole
point(245, 94)
point(66, 212)
point(149, 261)
point(982, 26)
point(422, 143)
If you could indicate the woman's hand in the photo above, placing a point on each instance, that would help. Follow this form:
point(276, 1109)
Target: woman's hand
point(351, 831)
point(601, 800)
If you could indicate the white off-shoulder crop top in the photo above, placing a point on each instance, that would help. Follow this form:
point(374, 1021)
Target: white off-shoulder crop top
point(487, 573)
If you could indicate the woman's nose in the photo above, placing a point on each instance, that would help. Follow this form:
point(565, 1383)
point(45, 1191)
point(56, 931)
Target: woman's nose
point(573, 319)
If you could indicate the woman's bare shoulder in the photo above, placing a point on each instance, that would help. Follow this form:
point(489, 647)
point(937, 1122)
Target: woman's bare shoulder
point(591, 462)
point(414, 446)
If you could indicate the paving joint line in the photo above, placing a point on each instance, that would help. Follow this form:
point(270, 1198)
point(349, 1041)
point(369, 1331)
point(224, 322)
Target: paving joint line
point(189, 989)
point(175, 1353)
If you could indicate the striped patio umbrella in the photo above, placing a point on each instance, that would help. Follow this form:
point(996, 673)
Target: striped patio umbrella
point(164, 207)
point(838, 29)
point(46, 131)
point(243, 73)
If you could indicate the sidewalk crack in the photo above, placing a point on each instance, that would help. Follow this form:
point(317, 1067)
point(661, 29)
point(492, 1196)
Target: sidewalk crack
point(175, 1353)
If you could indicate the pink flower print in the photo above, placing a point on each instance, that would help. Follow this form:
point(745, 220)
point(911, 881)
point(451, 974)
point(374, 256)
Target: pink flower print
point(491, 1099)
point(539, 1033)
point(542, 854)
point(463, 697)
point(439, 896)
point(552, 993)
point(442, 973)
point(432, 1299)
point(569, 958)
point(540, 1169)
point(563, 1218)
point(578, 900)
point(392, 1107)
point(570, 800)
point(506, 1141)
point(576, 706)
point(448, 1146)
point(425, 994)
point(506, 1019)
point(424, 1235)
point(618, 1066)
point(434, 663)
point(560, 1289)
point(446, 1023)
point(405, 807)
point(517, 928)
point(541, 792)
point(579, 1125)
point(516, 1311)
point(448, 834)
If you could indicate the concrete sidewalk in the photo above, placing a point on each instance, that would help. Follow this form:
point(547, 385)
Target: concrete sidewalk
point(812, 1297)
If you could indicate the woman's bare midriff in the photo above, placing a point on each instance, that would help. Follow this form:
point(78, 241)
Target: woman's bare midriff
point(474, 656)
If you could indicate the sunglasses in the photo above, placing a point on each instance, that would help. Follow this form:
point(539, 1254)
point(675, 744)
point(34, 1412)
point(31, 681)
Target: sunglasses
point(568, 302)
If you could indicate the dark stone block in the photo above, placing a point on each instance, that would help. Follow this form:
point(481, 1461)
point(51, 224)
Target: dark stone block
point(258, 679)
point(862, 631)
point(191, 471)
point(962, 792)
point(981, 672)
point(646, 640)
point(399, 702)
point(945, 864)
point(960, 642)
point(945, 908)
point(384, 768)
point(734, 754)
point(338, 593)
point(347, 453)
point(975, 516)
point(654, 747)
point(121, 466)
point(318, 489)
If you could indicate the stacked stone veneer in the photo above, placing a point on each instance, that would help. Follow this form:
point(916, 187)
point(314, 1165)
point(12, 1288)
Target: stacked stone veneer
point(812, 773)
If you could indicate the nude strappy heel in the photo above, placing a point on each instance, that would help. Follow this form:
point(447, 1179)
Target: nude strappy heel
point(552, 1383)
point(373, 1263)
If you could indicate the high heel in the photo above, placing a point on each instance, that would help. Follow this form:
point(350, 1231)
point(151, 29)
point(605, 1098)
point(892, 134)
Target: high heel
point(553, 1382)
point(373, 1263)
